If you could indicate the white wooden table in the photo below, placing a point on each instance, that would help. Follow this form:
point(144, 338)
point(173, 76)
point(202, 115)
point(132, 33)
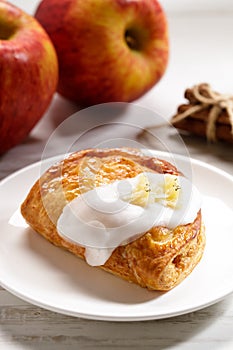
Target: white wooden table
point(201, 50)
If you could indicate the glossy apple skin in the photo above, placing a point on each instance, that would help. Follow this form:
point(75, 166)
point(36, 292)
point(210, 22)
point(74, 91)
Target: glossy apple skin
point(28, 74)
point(96, 64)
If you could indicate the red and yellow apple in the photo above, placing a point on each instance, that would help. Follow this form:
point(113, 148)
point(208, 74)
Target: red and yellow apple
point(108, 50)
point(28, 74)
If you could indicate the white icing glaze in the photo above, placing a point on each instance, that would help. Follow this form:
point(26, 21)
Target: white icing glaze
point(108, 216)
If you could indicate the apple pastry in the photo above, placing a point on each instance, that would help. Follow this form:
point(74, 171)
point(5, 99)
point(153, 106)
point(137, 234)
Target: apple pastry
point(131, 214)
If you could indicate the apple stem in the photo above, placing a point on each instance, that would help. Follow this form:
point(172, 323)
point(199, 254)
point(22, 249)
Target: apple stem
point(131, 40)
point(6, 31)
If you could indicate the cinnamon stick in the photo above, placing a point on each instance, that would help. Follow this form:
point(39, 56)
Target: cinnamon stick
point(196, 124)
point(195, 120)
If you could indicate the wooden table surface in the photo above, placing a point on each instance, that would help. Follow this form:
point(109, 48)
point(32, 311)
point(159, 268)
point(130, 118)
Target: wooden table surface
point(201, 50)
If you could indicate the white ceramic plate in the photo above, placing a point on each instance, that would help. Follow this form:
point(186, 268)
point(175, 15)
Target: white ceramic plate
point(47, 276)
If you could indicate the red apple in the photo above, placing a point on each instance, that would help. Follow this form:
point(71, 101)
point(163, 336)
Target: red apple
point(28, 74)
point(108, 50)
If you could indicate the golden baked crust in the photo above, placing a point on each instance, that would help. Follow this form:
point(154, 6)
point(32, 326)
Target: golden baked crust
point(159, 260)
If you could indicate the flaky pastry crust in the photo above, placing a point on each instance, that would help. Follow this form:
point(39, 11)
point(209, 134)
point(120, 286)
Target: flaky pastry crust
point(159, 260)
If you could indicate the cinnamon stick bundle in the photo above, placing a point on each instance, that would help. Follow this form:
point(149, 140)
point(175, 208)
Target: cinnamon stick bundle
point(207, 114)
